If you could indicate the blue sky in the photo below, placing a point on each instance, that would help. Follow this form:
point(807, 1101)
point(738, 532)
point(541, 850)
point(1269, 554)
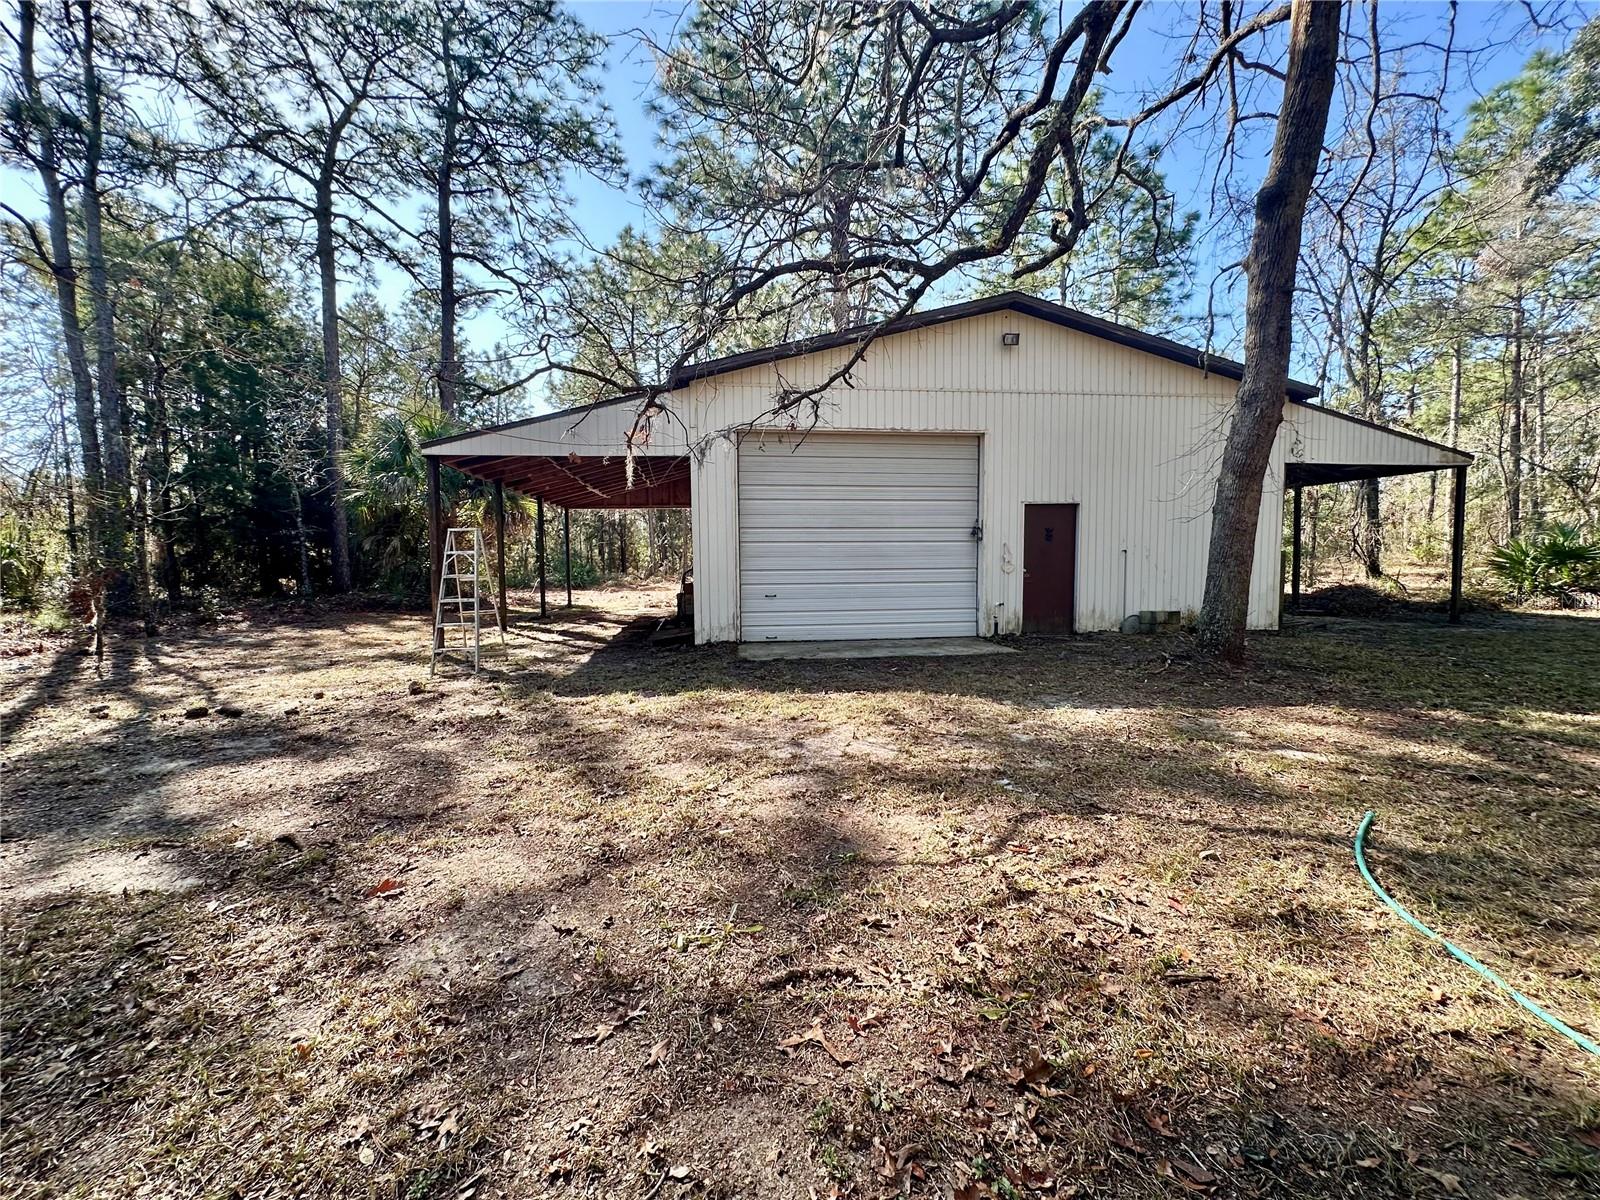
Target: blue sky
point(1144, 62)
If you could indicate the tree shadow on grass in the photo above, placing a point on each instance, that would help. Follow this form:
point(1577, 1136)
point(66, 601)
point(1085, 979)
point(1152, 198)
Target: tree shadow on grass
point(525, 1040)
point(984, 864)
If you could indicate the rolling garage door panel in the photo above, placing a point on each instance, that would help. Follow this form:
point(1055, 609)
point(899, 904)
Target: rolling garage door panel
point(857, 536)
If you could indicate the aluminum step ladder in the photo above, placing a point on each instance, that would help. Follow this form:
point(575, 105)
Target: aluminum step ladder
point(464, 600)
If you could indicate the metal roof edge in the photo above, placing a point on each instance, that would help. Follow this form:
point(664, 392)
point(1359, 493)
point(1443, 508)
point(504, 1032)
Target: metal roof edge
point(1389, 429)
point(576, 411)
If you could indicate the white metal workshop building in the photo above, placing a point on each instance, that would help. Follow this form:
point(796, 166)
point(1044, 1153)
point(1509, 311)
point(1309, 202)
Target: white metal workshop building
point(1001, 466)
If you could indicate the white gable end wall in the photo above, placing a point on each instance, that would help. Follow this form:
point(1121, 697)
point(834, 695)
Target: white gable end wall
point(1134, 440)
point(1322, 436)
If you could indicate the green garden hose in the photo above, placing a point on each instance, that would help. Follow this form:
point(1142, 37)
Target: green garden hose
point(1555, 1023)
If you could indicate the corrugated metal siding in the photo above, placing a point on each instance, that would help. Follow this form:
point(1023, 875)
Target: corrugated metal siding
point(1064, 417)
point(857, 535)
point(1134, 440)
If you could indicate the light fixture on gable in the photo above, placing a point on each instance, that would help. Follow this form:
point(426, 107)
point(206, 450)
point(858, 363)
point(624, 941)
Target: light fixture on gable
point(1010, 338)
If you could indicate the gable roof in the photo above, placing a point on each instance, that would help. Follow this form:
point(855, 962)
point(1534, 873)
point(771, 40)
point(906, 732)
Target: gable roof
point(1032, 306)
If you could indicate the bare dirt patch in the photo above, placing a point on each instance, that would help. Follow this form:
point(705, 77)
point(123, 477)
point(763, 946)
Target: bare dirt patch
point(618, 921)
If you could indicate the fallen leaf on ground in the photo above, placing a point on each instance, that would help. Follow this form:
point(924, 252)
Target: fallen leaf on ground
point(1159, 1124)
point(382, 887)
point(859, 1025)
point(1121, 1140)
point(1450, 1183)
point(658, 1053)
point(954, 1072)
point(1035, 1069)
point(1178, 1173)
point(448, 1125)
point(1194, 1171)
point(815, 1034)
point(359, 1128)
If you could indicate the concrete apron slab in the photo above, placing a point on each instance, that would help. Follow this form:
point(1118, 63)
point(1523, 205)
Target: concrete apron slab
point(950, 647)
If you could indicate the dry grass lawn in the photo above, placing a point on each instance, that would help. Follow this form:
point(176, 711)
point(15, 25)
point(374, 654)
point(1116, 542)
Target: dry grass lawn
point(618, 921)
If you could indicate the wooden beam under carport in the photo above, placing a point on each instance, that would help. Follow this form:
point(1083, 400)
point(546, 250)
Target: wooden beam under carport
point(1458, 541)
point(504, 606)
point(1294, 557)
point(435, 550)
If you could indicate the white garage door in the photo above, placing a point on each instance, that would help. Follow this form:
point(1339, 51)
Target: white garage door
point(857, 536)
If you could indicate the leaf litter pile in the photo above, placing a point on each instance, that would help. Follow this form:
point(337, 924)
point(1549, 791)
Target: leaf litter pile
point(612, 920)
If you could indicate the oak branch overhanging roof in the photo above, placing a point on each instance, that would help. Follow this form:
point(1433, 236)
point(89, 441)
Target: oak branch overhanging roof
point(1032, 306)
point(534, 462)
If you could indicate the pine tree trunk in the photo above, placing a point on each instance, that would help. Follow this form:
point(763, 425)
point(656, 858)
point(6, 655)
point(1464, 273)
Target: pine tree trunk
point(1372, 528)
point(1541, 447)
point(73, 562)
point(300, 542)
point(114, 442)
point(327, 270)
point(1269, 307)
point(113, 434)
point(839, 251)
point(1453, 426)
point(449, 368)
point(144, 589)
point(1514, 426)
point(161, 524)
point(65, 275)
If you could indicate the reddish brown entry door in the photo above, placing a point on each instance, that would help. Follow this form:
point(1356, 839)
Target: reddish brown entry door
point(1049, 565)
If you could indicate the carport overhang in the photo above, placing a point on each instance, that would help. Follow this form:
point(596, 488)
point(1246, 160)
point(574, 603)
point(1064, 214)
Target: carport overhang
point(576, 481)
point(598, 456)
point(1435, 457)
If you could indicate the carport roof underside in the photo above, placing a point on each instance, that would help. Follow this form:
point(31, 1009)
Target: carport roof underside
point(585, 481)
point(580, 457)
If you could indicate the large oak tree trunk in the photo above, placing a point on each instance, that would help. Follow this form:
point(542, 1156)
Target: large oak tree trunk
point(1269, 303)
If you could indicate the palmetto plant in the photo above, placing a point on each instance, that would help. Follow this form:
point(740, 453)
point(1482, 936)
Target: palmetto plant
point(1558, 563)
point(388, 478)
